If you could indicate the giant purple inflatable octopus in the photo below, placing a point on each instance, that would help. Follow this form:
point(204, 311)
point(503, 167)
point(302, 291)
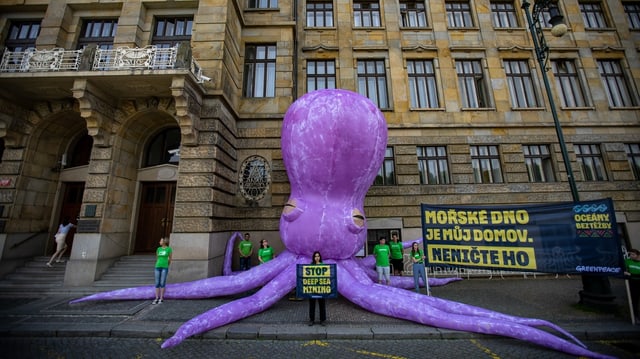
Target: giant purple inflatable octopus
point(333, 144)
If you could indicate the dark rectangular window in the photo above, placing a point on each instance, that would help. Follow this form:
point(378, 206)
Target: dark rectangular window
point(458, 14)
point(22, 35)
point(589, 158)
point(319, 13)
point(570, 88)
point(321, 74)
point(99, 32)
point(539, 164)
point(387, 174)
point(422, 84)
point(366, 13)
point(260, 71)
point(372, 82)
point(632, 9)
point(171, 31)
point(593, 15)
point(523, 94)
point(616, 84)
point(263, 4)
point(633, 154)
point(472, 85)
point(412, 13)
point(485, 161)
point(503, 14)
point(433, 165)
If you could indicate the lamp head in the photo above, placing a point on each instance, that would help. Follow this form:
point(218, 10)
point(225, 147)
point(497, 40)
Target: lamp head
point(558, 27)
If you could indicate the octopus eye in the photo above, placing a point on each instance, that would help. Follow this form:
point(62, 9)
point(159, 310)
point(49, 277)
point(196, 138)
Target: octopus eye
point(358, 221)
point(292, 210)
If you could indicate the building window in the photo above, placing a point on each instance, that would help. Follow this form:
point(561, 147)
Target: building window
point(503, 14)
point(537, 158)
point(590, 160)
point(422, 84)
point(171, 31)
point(523, 95)
point(633, 154)
point(319, 13)
point(260, 71)
point(22, 35)
point(593, 15)
point(98, 32)
point(458, 14)
point(255, 178)
point(263, 4)
point(387, 174)
point(79, 152)
point(366, 13)
point(321, 74)
point(485, 161)
point(570, 88)
point(162, 147)
point(615, 83)
point(433, 165)
point(372, 82)
point(412, 13)
point(632, 9)
point(473, 87)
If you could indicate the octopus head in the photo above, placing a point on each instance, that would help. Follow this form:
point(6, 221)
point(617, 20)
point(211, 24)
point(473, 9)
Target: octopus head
point(333, 144)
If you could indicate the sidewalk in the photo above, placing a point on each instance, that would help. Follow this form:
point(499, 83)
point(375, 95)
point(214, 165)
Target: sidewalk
point(544, 297)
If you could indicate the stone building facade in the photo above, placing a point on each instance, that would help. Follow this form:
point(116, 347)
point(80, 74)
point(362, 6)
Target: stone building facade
point(148, 118)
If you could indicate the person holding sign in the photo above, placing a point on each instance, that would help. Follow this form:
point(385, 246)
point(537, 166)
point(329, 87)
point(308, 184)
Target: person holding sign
point(382, 252)
point(417, 257)
point(317, 259)
point(633, 274)
point(265, 253)
point(396, 255)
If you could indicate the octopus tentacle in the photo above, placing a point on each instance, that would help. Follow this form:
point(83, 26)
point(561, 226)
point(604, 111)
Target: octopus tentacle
point(354, 285)
point(228, 253)
point(205, 288)
point(238, 309)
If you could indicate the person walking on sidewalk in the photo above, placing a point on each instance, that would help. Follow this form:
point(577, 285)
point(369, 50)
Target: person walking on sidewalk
point(245, 248)
point(382, 253)
point(163, 260)
point(417, 257)
point(633, 275)
point(317, 259)
point(265, 253)
point(61, 241)
point(396, 255)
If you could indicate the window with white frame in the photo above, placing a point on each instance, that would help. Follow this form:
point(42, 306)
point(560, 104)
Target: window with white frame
point(523, 94)
point(412, 13)
point(537, 158)
point(422, 84)
point(589, 159)
point(472, 84)
point(22, 35)
point(321, 74)
point(458, 14)
point(366, 13)
point(570, 87)
point(633, 154)
point(433, 165)
point(387, 174)
point(260, 71)
point(616, 84)
point(263, 4)
point(372, 82)
point(485, 161)
point(503, 14)
point(320, 13)
point(632, 9)
point(593, 14)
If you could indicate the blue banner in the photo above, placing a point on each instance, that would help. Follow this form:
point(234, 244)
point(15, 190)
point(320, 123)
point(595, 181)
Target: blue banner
point(316, 281)
point(571, 238)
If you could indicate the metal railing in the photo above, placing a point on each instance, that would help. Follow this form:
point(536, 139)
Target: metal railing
point(32, 60)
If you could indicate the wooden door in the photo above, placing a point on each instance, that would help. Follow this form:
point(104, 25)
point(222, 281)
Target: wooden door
point(155, 217)
point(71, 204)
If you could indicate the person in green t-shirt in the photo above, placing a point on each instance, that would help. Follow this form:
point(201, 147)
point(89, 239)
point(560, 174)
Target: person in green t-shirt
point(632, 265)
point(382, 252)
point(396, 255)
point(245, 248)
point(163, 260)
point(265, 253)
point(417, 257)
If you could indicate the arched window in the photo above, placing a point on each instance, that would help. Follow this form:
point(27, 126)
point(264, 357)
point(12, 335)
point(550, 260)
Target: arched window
point(255, 177)
point(163, 148)
point(79, 153)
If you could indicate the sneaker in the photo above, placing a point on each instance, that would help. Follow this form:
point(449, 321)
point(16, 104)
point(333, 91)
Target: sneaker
point(155, 301)
point(49, 265)
point(60, 261)
point(159, 301)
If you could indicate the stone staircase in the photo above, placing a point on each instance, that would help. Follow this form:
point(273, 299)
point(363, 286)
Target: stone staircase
point(34, 277)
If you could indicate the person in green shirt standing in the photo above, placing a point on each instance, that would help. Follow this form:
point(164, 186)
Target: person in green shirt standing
point(245, 248)
point(163, 260)
point(396, 255)
point(633, 275)
point(417, 257)
point(382, 252)
point(265, 253)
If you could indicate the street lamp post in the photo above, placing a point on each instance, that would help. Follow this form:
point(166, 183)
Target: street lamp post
point(596, 289)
